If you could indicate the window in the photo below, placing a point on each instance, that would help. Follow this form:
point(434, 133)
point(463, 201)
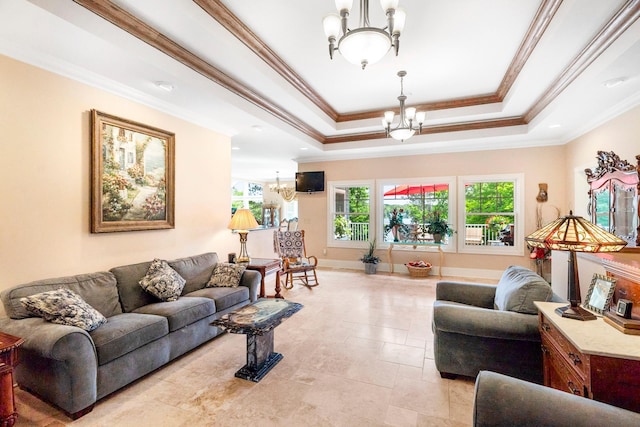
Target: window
point(290, 209)
point(409, 208)
point(349, 213)
point(491, 220)
point(247, 195)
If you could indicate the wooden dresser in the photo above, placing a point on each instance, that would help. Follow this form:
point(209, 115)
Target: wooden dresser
point(590, 359)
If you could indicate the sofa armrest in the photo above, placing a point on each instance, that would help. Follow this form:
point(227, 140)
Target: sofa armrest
point(482, 322)
point(505, 401)
point(251, 279)
point(48, 339)
point(57, 362)
point(477, 294)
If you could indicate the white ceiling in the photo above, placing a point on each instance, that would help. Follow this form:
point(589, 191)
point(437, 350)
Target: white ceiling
point(454, 52)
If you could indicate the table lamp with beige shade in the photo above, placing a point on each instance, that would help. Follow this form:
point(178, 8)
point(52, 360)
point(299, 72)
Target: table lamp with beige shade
point(242, 221)
point(574, 234)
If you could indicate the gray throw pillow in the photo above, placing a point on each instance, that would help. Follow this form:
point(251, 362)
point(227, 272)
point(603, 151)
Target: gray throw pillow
point(64, 307)
point(162, 281)
point(226, 275)
point(518, 288)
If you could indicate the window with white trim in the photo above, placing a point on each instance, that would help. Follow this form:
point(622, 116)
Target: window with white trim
point(490, 218)
point(350, 213)
point(410, 209)
point(247, 195)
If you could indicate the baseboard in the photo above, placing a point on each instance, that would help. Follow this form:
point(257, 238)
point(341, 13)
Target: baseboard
point(383, 267)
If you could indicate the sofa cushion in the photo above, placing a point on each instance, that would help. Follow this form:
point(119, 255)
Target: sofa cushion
point(222, 296)
point(132, 295)
point(97, 289)
point(64, 307)
point(226, 275)
point(518, 288)
point(182, 312)
point(126, 332)
point(162, 281)
point(196, 270)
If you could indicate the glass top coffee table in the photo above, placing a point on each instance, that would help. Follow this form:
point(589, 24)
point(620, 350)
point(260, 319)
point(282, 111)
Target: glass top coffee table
point(258, 321)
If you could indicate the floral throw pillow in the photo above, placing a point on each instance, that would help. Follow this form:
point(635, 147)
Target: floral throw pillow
point(226, 275)
point(162, 281)
point(64, 307)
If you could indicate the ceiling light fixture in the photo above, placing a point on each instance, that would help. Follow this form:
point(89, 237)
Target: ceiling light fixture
point(287, 193)
point(614, 82)
point(366, 44)
point(164, 86)
point(405, 128)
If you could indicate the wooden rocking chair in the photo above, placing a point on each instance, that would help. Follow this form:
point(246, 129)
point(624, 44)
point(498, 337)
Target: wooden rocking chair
point(296, 265)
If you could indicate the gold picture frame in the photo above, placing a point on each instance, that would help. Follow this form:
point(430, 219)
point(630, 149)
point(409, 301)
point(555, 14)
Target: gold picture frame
point(132, 175)
point(600, 293)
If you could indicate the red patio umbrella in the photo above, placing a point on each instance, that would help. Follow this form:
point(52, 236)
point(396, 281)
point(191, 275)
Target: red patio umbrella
point(406, 190)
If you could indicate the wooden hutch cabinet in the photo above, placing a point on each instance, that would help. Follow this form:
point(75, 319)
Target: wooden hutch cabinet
point(613, 196)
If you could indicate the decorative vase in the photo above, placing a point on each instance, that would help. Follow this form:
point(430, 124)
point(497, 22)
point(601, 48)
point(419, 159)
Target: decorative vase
point(437, 237)
point(370, 267)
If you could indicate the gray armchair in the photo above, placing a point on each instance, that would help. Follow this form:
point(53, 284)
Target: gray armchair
point(471, 334)
point(504, 401)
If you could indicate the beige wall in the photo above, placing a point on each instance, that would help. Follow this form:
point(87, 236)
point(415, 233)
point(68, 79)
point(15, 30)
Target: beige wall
point(539, 165)
point(620, 135)
point(44, 170)
point(44, 181)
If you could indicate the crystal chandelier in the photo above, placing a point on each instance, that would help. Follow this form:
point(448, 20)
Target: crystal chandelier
point(287, 193)
point(405, 128)
point(365, 44)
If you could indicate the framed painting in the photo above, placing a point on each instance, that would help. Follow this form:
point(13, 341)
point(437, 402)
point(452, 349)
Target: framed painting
point(132, 175)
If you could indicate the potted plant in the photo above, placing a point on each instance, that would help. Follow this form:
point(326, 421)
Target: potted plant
point(438, 227)
point(370, 260)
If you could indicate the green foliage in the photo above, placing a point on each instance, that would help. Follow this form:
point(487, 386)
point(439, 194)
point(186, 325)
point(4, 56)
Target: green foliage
point(498, 222)
point(438, 225)
point(341, 228)
point(256, 210)
point(485, 198)
point(369, 257)
point(254, 189)
point(359, 203)
point(114, 208)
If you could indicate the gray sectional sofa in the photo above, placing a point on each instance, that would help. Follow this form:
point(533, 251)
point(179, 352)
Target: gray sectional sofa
point(72, 368)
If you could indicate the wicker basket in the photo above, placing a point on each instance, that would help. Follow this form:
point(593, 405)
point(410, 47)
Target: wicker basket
point(418, 271)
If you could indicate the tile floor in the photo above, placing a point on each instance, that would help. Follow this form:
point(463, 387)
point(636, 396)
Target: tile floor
point(360, 353)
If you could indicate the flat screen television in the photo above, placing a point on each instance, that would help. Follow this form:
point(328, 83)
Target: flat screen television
point(309, 182)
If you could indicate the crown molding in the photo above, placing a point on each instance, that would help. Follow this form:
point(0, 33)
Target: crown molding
point(622, 20)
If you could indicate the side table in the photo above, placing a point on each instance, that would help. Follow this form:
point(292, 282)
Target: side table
point(258, 321)
point(264, 266)
point(8, 359)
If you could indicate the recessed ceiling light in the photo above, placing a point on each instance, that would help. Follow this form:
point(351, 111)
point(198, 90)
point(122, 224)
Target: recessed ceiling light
point(304, 148)
point(257, 128)
point(555, 126)
point(168, 86)
point(235, 148)
point(614, 82)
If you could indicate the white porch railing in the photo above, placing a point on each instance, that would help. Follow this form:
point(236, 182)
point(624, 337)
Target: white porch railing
point(474, 234)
